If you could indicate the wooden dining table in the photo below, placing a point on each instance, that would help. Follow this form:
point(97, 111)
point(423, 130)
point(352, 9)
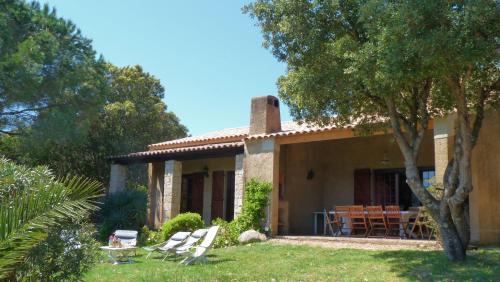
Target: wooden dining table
point(405, 216)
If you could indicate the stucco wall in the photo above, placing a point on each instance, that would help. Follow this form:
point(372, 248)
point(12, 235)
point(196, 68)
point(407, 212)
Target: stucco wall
point(485, 198)
point(262, 162)
point(213, 164)
point(333, 163)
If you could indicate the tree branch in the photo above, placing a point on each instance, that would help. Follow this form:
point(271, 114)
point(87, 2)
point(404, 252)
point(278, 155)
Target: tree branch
point(8, 132)
point(33, 109)
point(424, 113)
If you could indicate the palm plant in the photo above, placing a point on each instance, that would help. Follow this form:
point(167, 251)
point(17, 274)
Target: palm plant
point(31, 201)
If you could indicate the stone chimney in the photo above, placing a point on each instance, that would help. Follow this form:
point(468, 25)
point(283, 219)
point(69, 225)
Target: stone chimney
point(265, 115)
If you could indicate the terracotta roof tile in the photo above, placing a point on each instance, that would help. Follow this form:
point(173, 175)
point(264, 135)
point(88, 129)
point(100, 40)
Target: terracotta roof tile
point(224, 135)
point(180, 150)
point(299, 131)
point(236, 134)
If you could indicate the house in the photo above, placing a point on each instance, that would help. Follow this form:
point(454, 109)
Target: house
point(310, 168)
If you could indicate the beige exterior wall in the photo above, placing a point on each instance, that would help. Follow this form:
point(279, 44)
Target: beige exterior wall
point(485, 198)
point(333, 163)
point(213, 164)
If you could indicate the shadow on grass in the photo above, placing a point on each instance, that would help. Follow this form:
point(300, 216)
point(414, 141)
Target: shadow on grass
point(433, 265)
point(212, 259)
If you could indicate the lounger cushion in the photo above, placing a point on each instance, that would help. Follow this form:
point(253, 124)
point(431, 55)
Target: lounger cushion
point(199, 233)
point(126, 234)
point(127, 237)
point(180, 236)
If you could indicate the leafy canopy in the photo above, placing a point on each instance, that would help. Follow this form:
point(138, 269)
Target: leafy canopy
point(132, 117)
point(346, 58)
point(63, 107)
point(45, 63)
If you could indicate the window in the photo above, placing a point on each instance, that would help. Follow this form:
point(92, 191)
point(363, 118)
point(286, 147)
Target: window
point(428, 178)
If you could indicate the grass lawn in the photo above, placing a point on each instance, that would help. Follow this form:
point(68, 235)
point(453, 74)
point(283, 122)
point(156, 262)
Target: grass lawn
point(270, 262)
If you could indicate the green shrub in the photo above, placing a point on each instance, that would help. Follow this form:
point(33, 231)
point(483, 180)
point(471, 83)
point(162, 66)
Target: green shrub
point(123, 210)
point(228, 233)
point(252, 216)
point(437, 190)
point(254, 205)
point(68, 251)
point(183, 222)
point(149, 237)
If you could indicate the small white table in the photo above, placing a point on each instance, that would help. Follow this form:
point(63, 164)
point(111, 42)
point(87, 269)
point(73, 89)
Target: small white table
point(115, 252)
point(405, 216)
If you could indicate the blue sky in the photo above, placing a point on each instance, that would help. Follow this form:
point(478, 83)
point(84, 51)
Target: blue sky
point(207, 54)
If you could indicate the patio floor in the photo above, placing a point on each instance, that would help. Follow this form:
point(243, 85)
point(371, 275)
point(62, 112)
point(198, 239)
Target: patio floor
point(358, 243)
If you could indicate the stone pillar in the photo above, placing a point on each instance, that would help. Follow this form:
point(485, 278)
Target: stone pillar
point(118, 178)
point(156, 175)
point(172, 189)
point(443, 135)
point(239, 184)
point(262, 163)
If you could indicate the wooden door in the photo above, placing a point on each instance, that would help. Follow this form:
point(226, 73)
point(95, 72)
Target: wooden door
point(230, 196)
point(197, 193)
point(217, 194)
point(192, 193)
point(362, 194)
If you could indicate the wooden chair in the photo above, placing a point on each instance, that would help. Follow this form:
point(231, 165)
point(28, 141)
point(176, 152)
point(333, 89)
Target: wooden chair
point(394, 221)
point(341, 219)
point(329, 222)
point(377, 221)
point(426, 223)
point(357, 219)
point(415, 223)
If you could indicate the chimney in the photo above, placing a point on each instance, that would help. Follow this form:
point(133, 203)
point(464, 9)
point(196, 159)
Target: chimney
point(265, 115)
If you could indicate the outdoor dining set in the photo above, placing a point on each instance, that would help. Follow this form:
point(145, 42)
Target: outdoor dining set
point(377, 221)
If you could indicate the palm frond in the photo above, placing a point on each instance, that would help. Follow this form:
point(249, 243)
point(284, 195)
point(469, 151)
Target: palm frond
point(26, 216)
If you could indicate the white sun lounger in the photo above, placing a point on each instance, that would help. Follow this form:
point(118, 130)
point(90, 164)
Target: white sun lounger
point(199, 254)
point(174, 241)
point(186, 245)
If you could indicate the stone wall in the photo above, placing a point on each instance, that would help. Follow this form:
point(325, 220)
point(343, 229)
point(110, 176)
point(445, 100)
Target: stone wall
point(262, 163)
point(172, 190)
point(239, 184)
point(118, 178)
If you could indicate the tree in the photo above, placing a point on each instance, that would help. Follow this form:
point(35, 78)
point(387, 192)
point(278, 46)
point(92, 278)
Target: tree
point(397, 61)
point(45, 63)
point(32, 202)
point(62, 107)
point(132, 116)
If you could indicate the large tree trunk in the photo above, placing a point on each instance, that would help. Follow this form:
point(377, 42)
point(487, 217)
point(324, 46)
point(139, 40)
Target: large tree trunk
point(452, 244)
point(450, 210)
